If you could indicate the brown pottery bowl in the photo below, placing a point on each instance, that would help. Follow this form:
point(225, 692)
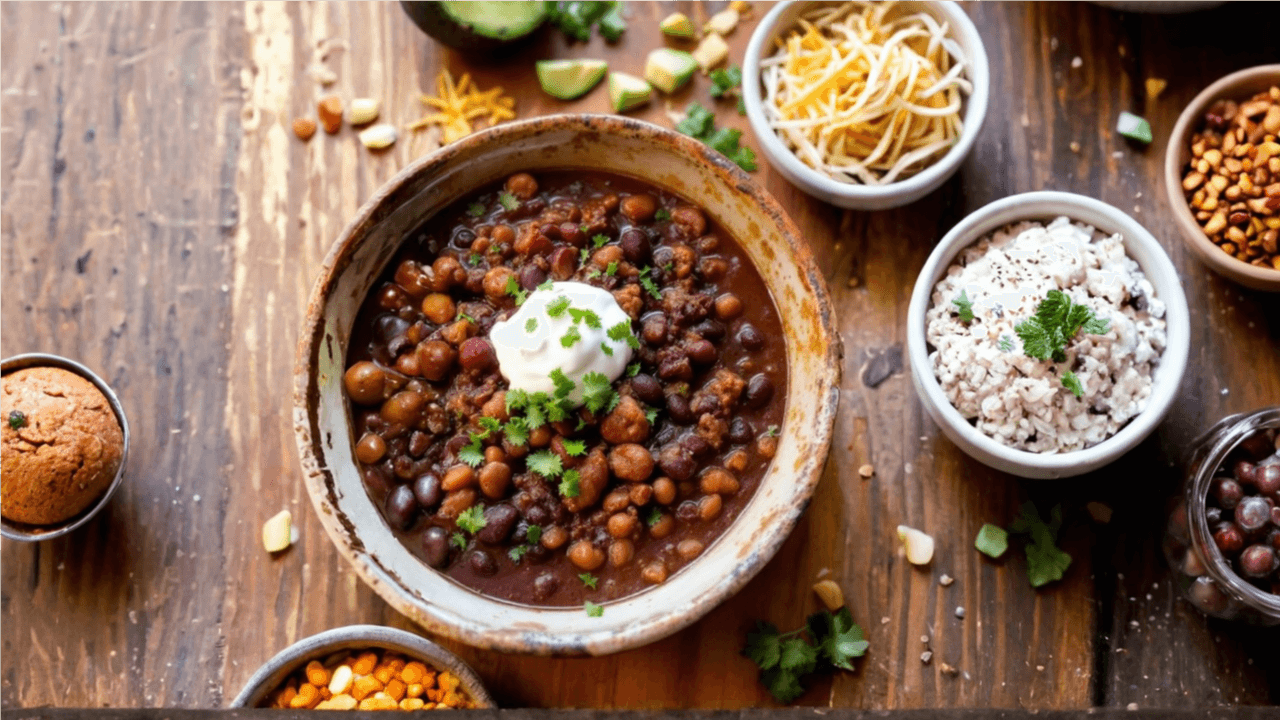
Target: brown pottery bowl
point(599, 143)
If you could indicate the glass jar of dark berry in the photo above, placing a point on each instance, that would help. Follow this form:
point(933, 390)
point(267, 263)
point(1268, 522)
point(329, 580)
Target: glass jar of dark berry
point(1223, 536)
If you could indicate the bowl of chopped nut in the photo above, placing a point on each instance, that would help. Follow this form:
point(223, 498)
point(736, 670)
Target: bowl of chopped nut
point(364, 667)
point(1222, 175)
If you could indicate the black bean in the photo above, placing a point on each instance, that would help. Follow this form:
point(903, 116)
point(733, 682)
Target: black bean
point(749, 337)
point(405, 468)
point(636, 247)
point(537, 515)
point(419, 442)
point(402, 507)
point(647, 389)
point(710, 329)
point(702, 352)
point(544, 586)
point(388, 327)
point(531, 276)
point(759, 390)
point(482, 563)
point(740, 431)
point(687, 511)
point(676, 463)
point(572, 233)
point(696, 446)
point(678, 409)
point(499, 521)
point(427, 490)
point(435, 546)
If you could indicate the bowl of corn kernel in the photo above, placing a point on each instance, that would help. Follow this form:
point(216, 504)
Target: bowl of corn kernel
point(364, 667)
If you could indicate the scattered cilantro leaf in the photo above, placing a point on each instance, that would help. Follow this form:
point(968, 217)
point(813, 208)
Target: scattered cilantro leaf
point(563, 384)
point(575, 18)
point(1071, 382)
point(17, 419)
point(992, 540)
point(966, 307)
point(599, 240)
point(458, 540)
point(725, 80)
point(596, 391)
point(826, 641)
point(662, 214)
point(545, 463)
point(589, 317)
point(588, 579)
point(583, 255)
point(621, 332)
point(593, 610)
point(556, 307)
point(653, 517)
point(530, 325)
point(611, 269)
point(516, 432)
point(1045, 562)
point(798, 656)
point(764, 646)
point(571, 336)
point(633, 369)
point(547, 284)
point(472, 453)
point(772, 431)
point(472, 519)
point(606, 349)
point(838, 638)
point(514, 290)
point(475, 209)
point(474, 259)
point(517, 553)
point(697, 121)
point(464, 316)
point(1006, 343)
point(651, 287)
point(569, 483)
point(533, 534)
point(508, 201)
point(594, 273)
point(575, 448)
point(651, 415)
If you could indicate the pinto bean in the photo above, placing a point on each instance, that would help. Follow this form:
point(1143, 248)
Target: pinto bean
point(630, 462)
point(585, 555)
point(640, 494)
point(718, 480)
point(457, 477)
point(456, 502)
point(621, 552)
point(664, 491)
point(626, 424)
point(522, 185)
point(655, 573)
point(554, 537)
point(494, 479)
point(593, 475)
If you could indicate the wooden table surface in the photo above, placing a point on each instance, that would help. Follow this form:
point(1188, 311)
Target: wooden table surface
point(162, 225)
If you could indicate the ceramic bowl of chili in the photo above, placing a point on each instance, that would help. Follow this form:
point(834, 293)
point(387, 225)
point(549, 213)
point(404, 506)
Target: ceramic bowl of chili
point(361, 268)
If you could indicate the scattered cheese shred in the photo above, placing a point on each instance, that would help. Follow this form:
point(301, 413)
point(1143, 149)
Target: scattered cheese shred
point(866, 92)
point(458, 104)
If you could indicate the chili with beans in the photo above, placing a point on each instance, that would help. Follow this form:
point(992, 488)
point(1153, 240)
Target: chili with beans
point(640, 488)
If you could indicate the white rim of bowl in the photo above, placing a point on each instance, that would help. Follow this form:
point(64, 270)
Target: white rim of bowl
point(1173, 362)
point(975, 109)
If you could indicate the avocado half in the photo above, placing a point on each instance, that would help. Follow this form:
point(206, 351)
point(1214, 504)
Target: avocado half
point(477, 27)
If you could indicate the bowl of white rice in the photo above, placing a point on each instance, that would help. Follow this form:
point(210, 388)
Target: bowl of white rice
point(978, 325)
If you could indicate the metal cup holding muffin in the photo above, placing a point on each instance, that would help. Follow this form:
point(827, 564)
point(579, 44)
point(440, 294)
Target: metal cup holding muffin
point(65, 442)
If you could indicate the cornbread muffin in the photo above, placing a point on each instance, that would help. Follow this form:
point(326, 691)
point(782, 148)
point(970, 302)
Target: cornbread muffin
point(61, 445)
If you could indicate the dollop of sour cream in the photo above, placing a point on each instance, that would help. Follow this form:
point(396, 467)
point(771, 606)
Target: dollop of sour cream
point(532, 343)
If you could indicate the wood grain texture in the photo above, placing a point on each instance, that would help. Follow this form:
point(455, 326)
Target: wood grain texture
point(154, 137)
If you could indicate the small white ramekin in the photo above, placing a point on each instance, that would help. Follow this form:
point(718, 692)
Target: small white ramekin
point(866, 197)
point(1139, 244)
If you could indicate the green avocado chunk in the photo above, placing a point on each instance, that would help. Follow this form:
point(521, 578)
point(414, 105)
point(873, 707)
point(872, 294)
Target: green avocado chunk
point(568, 79)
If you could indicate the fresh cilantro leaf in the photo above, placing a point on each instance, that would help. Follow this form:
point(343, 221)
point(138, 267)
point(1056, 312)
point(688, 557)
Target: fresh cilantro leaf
point(584, 229)
point(744, 158)
point(513, 289)
point(798, 656)
point(472, 453)
point(593, 610)
point(516, 399)
point(563, 384)
point(475, 209)
point(17, 419)
point(571, 336)
point(764, 646)
point(556, 307)
point(534, 417)
point(464, 316)
point(651, 415)
point(621, 332)
point(517, 553)
point(653, 517)
point(588, 579)
point(1045, 562)
point(662, 214)
point(1035, 340)
point(545, 463)
point(490, 425)
point(633, 369)
point(516, 432)
point(530, 325)
point(651, 287)
point(599, 240)
point(1006, 343)
point(596, 392)
point(569, 483)
point(474, 259)
point(725, 80)
point(547, 284)
point(472, 519)
point(594, 273)
point(783, 685)
point(584, 255)
point(668, 267)
point(508, 201)
point(458, 540)
point(992, 540)
point(606, 349)
point(533, 534)
point(589, 317)
point(837, 637)
point(1071, 382)
point(723, 140)
point(1054, 308)
point(611, 269)
point(575, 448)
point(966, 307)
point(1096, 326)
point(697, 122)
point(772, 431)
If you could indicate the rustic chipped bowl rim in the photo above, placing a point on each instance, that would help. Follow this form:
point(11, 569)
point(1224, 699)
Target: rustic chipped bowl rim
point(358, 637)
point(1044, 206)
point(35, 533)
point(858, 196)
point(793, 487)
point(1178, 152)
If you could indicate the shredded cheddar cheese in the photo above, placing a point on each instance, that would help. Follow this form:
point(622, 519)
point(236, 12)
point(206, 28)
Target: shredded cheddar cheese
point(866, 92)
point(458, 104)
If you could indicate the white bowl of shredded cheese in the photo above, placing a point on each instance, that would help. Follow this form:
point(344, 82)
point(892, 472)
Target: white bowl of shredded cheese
point(1111, 386)
point(866, 105)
